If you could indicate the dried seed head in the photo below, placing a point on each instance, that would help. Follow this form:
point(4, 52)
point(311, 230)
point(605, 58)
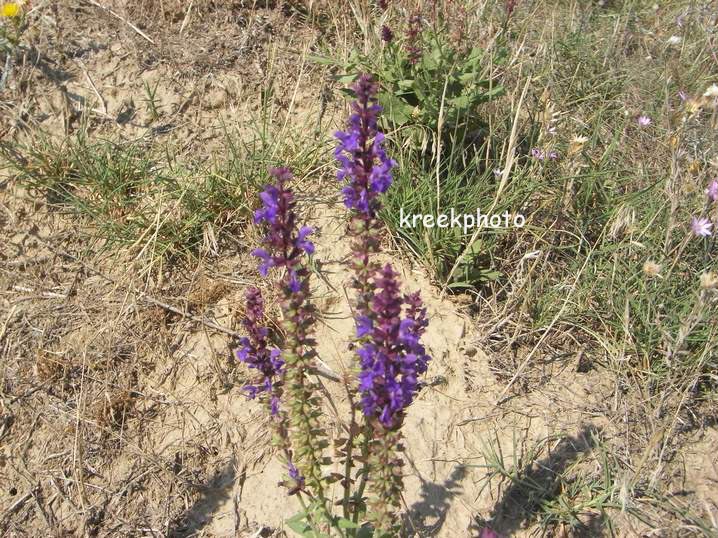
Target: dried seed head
point(709, 280)
point(651, 269)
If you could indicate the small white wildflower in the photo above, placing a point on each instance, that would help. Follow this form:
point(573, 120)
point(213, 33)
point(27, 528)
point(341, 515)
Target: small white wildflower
point(712, 91)
point(675, 40)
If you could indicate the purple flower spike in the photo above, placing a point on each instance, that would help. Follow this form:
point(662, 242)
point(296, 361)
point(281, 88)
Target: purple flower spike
point(255, 353)
point(270, 198)
point(364, 165)
point(267, 260)
point(387, 36)
point(364, 326)
point(393, 357)
point(284, 245)
point(413, 45)
point(296, 476)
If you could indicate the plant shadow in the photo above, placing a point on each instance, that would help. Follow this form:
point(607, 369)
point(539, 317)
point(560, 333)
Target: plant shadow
point(427, 516)
point(214, 494)
point(539, 482)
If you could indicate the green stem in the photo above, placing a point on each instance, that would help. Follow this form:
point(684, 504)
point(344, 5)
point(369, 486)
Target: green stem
point(349, 461)
point(364, 470)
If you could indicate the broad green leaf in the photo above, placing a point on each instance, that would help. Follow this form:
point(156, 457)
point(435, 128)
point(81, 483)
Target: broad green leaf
point(345, 79)
point(343, 523)
point(475, 248)
point(467, 79)
point(298, 523)
point(398, 110)
point(462, 101)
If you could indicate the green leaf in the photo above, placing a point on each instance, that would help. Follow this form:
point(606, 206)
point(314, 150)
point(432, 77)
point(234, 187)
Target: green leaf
point(324, 60)
point(475, 248)
point(298, 523)
point(345, 79)
point(467, 79)
point(490, 275)
point(397, 109)
point(462, 101)
point(494, 92)
point(344, 523)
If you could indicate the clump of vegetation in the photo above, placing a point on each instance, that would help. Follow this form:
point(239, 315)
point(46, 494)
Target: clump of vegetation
point(136, 196)
point(432, 83)
point(133, 196)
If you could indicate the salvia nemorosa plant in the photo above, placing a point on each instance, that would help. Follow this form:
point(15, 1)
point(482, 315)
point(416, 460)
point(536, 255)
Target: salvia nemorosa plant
point(387, 354)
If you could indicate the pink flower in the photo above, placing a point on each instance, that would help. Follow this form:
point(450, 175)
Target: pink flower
point(712, 190)
point(683, 96)
point(644, 121)
point(701, 226)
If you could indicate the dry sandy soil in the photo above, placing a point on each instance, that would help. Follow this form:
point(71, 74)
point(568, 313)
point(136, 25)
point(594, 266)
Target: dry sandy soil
point(120, 405)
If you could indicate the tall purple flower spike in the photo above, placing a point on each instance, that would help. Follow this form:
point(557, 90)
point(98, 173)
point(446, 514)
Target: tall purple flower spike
point(365, 167)
point(393, 357)
point(413, 45)
point(284, 244)
point(255, 352)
